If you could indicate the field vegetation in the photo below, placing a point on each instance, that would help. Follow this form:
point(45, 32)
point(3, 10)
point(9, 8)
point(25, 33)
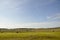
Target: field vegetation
point(30, 34)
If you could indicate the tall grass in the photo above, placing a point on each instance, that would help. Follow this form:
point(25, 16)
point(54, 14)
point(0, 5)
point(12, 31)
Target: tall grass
point(30, 36)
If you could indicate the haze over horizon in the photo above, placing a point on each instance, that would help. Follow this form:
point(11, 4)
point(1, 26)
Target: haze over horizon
point(29, 13)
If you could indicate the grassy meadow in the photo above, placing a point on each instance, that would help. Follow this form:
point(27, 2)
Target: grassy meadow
point(31, 35)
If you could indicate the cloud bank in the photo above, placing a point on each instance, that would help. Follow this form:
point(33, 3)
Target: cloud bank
point(54, 17)
point(32, 25)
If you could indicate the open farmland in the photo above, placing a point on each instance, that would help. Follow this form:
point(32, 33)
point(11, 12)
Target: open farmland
point(30, 34)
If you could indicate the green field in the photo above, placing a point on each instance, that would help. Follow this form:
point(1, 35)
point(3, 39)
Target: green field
point(30, 36)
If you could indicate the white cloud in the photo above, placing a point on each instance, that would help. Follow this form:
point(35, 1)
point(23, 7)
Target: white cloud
point(32, 25)
point(54, 17)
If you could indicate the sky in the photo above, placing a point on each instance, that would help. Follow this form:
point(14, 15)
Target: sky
point(29, 13)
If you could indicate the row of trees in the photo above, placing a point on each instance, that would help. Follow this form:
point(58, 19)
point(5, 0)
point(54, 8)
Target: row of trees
point(30, 30)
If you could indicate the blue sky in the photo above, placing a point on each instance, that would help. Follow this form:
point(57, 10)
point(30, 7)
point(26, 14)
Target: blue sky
point(29, 13)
